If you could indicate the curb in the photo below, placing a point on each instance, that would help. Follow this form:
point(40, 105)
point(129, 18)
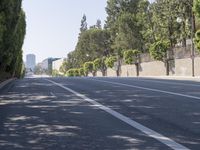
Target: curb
point(4, 83)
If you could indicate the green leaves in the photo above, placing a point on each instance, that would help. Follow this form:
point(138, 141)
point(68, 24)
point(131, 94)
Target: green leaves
point(197, 7)
point(131, 56)
point(197, 40)
point(88, 67)
point(12, 32)
point(91, 45)
point(97, 64)
point(197, 35)
point(110, 61)
point(73, 73)
point(158, 50)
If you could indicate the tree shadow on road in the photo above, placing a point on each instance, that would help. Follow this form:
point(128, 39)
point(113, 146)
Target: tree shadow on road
point(32, 118)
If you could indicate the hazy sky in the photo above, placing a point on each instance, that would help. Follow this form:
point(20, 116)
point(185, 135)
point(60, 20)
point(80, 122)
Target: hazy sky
point(53, 25)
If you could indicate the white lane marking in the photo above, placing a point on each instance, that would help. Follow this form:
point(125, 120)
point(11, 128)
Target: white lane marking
point(149, 89)
point(151, 133)
point(165, 82)
point(52, 94)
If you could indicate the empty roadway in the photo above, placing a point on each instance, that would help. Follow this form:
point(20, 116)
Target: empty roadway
point(77, 113)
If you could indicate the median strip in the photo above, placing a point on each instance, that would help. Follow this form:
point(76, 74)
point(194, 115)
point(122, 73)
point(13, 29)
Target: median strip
point(151, 133)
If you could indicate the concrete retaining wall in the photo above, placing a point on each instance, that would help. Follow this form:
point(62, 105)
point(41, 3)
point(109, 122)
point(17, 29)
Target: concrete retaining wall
point(183, 67)
point(154, 68)
point(111, 72)
point(197, 66)
point(99, 74)
point(128, 71)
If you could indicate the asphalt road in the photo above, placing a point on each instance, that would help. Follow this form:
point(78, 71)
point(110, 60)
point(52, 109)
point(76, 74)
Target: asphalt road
point(100, 114)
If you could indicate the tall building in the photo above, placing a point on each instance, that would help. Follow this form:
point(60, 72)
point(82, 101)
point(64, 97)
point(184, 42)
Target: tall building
point(30, 61)
point(46, 65)
point(57, 64)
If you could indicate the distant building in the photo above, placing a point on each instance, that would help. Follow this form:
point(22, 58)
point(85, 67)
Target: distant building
point(57, 64)
point(30, 62)
point(46, 65)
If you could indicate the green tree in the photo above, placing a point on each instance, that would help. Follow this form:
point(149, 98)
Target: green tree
point(197, 12)
point(131, 56)
point(158, 50)
point(110, 61)
point(98, 24)
point(83, 24)
point(88, 67)
point(81, 72)
point(12, 31)
point(91, 45)
point(197, 7)
point(73, 72)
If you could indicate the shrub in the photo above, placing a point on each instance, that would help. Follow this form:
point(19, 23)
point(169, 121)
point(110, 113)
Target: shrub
point(158, 50)
point(55, 73)
point(197, 40)
point(130, 56)
point(81, 72)
point(97, 64)
point(88, 67)
point(73, 73)
point(110, 61)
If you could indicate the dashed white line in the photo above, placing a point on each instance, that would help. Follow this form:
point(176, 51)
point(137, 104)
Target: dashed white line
point(151, 133)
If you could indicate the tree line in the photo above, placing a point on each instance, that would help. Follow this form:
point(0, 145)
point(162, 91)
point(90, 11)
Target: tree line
point(12, 33)
point(133, 27)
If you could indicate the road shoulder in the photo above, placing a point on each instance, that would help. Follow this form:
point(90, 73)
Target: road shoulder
point(5, 83)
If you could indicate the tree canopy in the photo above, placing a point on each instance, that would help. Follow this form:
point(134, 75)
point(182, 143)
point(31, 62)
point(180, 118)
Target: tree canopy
point(153, 28)
point(12, 32)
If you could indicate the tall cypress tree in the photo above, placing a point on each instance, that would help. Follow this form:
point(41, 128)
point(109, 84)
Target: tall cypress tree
point(11, 34)
point(83, 24)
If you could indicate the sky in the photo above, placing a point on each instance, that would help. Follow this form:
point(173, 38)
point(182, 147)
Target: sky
point(53, 25)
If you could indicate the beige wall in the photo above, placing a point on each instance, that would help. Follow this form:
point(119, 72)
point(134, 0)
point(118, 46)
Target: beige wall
point(183, 67)
point(128, 71)
point(111, 72)
point(197, 66)
point(99, 74)
point(154, 68)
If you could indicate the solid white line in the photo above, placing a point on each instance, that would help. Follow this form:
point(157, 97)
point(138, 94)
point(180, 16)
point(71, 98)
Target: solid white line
point(149, 89)
point(165, 140)
point(165, 82)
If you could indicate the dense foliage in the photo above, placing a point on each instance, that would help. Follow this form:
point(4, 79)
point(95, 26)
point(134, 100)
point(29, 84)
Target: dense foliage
point(88, 67)
point(197, 35)
point(154, 28)
point(110, 61)
point(158, 50)
point(12, 32)
point(131, 56)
